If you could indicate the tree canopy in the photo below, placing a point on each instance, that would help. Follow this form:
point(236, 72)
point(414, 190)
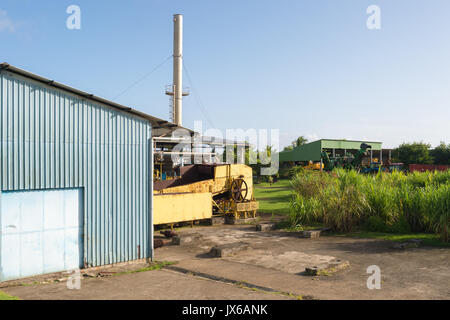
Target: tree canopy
point(413, 153)
point(296, 143)
point(441, 154)
point(421, 153)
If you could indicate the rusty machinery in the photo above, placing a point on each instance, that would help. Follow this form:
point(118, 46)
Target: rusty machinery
point(235, 201)
point(204, 191)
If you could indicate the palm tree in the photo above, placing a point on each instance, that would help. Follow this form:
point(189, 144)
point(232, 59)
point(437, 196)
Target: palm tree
point(300, 141)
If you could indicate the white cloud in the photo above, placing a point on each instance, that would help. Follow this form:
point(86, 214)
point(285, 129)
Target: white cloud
point(312, 137)
point(6, 23)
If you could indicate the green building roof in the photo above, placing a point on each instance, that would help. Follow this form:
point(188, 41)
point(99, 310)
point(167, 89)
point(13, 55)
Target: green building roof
point(311, 151)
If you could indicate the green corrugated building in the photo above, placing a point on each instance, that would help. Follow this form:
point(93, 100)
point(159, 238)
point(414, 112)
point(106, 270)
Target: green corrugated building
point(311, 151)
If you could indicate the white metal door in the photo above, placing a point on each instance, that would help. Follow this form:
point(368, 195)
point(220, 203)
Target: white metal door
point(40, 232)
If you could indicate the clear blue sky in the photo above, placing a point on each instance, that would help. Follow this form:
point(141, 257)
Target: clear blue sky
point(306, 67)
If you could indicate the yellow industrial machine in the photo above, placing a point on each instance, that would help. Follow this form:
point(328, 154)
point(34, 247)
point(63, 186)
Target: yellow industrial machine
point(314, 166)
point(203, 191)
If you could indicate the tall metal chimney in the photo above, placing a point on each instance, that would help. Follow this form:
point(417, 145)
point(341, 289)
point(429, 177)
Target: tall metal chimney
point(176, 90)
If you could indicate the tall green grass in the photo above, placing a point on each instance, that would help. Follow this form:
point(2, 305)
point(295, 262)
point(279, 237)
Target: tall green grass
point(386, 202)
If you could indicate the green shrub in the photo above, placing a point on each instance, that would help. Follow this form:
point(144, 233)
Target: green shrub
point(412, 204)
point(438, 206)
point(304, 211)
point(381, 202)
point(376, 224)
point(400, 226)
point(310, 184)
point(294, 171)
point(343, 207)
point(386, 202)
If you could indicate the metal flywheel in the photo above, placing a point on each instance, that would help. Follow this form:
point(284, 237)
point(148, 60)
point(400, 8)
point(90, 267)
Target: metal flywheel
point(239, 190)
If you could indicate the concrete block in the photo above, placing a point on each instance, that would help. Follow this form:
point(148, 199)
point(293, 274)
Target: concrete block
point(227, 250)
point(312, 271)
point(232, 220)
point(188, 239)
point(157, 243)
point(265, 226)
point(176, 240)
point(311, 234)
point(214, 221)
point(217, 221)
point(168, 233)
point(327, 268)
point(405, 245)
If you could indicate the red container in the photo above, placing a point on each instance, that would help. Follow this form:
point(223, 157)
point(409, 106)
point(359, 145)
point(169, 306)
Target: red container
point(428, 167)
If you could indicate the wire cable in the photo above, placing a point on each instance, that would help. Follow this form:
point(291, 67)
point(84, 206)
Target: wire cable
point(143, 77)
point(197, 97)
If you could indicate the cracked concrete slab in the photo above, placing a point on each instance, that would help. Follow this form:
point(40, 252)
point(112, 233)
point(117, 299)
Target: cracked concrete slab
point(277, 260)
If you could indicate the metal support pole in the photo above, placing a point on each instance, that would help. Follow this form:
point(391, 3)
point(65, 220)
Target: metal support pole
point(178, 68)
point(151, 254)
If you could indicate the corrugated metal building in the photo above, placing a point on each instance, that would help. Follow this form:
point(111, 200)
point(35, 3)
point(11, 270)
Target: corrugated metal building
point(312, 151)
point(74, 175)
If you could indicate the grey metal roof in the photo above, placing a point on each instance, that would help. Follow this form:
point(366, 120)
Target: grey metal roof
point(160, 126)
point(345, 140)
point(203, 140)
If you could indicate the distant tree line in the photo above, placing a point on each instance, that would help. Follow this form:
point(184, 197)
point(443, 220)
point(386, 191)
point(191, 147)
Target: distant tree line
point(255, 162)
point(422, 153)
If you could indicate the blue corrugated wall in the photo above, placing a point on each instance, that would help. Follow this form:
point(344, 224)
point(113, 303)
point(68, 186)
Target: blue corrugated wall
point(51, 139)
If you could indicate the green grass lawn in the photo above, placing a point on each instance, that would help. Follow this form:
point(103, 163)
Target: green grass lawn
point(274, 199)
point(4, 296)
point(284, 183)
point(427, 238)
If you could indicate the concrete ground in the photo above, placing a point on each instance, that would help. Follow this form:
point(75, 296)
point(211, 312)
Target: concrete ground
point(149, 285)
point(271, 268)
point(277, 260)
